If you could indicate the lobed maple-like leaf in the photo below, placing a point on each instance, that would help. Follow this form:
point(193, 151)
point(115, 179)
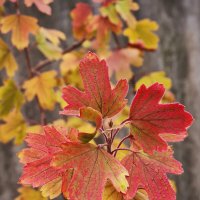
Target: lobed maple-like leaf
point(142, 35)
point(149, 172)
point(92, 166)
point(98, 93)
point(37, 170)
point(42, 87)
point(148, 119)
point(42, 5)
point(21, 26)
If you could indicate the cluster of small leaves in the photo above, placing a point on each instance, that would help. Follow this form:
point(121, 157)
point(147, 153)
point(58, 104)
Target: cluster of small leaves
point(72, 161)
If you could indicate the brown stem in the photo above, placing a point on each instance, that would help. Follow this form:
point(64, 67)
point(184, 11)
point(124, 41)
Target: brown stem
point(28, 62)
point(121, 149)
point(46, 62)
point(123, 139)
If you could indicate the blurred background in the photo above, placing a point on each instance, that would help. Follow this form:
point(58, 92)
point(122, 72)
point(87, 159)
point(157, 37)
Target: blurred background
point(178, 55)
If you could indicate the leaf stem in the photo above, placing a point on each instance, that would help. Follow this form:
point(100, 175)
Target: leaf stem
point(28, 62)
point(121, 149)
point(123, 139)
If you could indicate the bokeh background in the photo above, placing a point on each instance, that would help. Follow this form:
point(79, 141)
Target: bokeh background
point(178, 55)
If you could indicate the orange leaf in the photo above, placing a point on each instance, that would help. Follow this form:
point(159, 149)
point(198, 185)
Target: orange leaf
point(21, 26)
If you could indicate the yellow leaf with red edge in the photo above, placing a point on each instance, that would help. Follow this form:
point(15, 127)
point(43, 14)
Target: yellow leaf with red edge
point(154, 77)
point(41, 86)
point(27, 193)
point(120, 62)
point(142, 33)
point(48, 41)
point(21, 27)
point(13, 127)
point(42, 5)
point(10, 98)
point(7, 59)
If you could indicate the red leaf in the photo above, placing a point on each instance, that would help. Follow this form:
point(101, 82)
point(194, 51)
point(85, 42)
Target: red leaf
point(149, 172)
point(37, 170)
point(149, 119)
point(92, 168)
point(98, 93)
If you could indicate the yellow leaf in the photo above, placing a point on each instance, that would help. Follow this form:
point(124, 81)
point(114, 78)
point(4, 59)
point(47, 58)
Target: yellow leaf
point(79, 124)
point(110, 193)
point(111, 13)
point(21, 26)
point(52, 189)
point(154, 77)
point(14, 127)
point(142, 33)
point(52, 35)
point(42, 86)
point(7, 59)
point(125, 8)
point(70, 61)
point(27, 193)
point(48, 41)
point(10, 97)
point(141, 195)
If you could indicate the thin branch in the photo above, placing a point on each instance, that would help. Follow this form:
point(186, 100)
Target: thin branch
point(118, 129)
point(121, 149)
point(28, 62)
point(123, 139)
point(46, 62)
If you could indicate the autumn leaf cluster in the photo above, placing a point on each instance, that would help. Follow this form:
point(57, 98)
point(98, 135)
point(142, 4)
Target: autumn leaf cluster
point(103, 147)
